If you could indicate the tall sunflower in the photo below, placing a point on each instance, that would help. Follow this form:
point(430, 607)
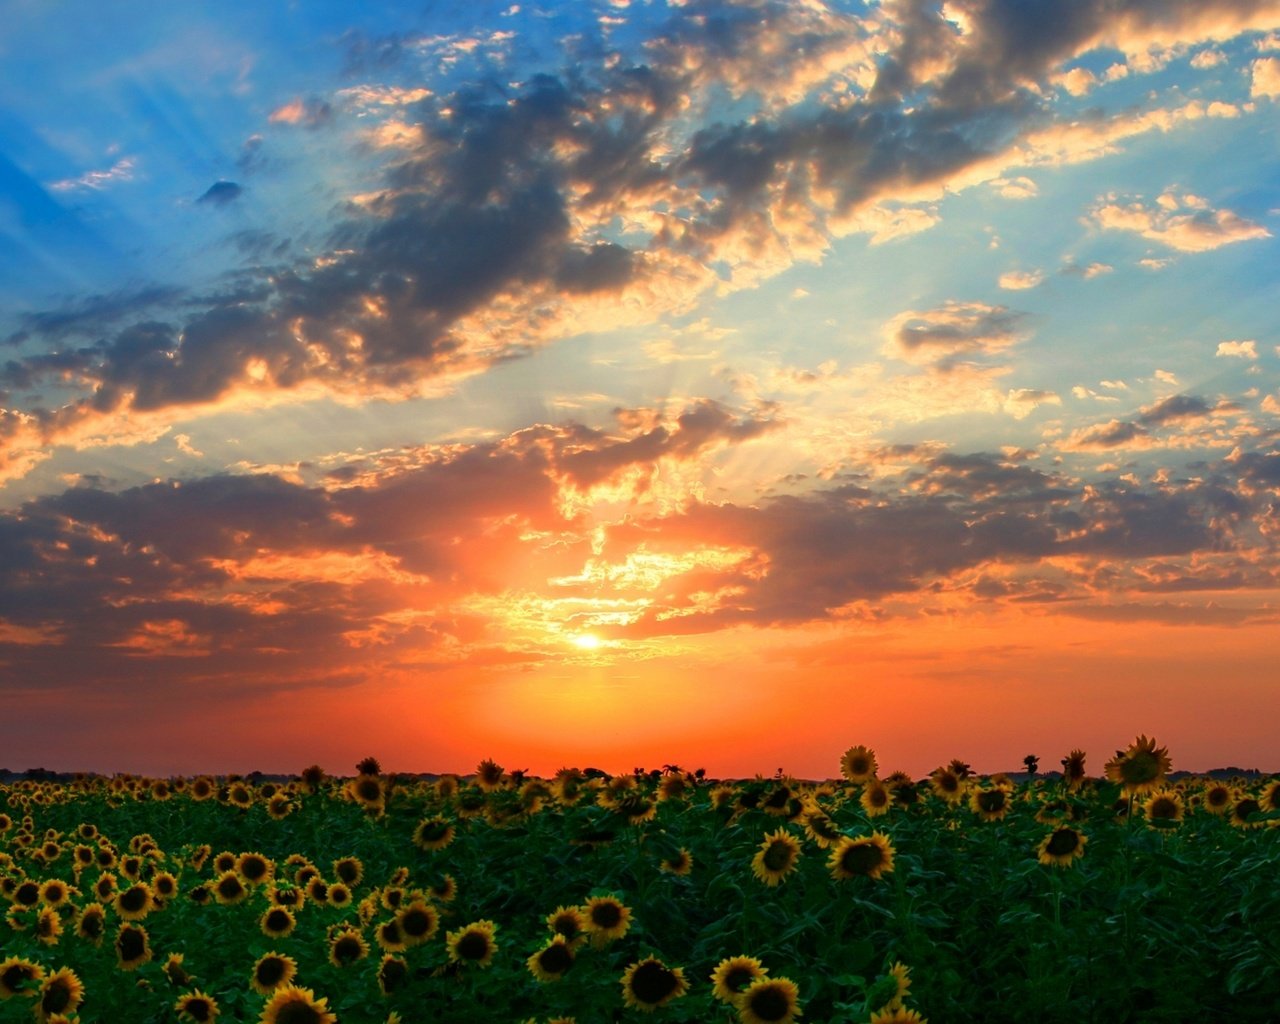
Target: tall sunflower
point(858, 764)
point(769, 1001)
point(292, 1005)
point(649, 983)
point(1141, 768)
point(866, 857)
point(1073, 769)
point(778, 856)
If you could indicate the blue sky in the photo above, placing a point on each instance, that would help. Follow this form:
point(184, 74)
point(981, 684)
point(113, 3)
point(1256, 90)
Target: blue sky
point(727, 329)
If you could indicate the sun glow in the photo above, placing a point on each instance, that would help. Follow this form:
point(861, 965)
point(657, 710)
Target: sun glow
point(586, 641)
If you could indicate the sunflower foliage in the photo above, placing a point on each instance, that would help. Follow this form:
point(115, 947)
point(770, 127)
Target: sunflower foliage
point(868, 897)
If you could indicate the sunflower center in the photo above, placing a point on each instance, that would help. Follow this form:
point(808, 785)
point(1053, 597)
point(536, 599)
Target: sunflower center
point(556, 958)
point(132, 944)
point(15, 976)
point(416, 922)
point(56, 997)
point(277, 920)
point(28, 894)
point(1163, 807)
point(346, 949)
point(230, 887)
point(199, 1009)
point(253, 868)
point(1141, 766)
point(133, 899)
point(270, 971)
point(652, 982)
point(992, 800)
point(738, 978)
point(860, 859)
point(473, 946)
point(770, 1004)
point(1062, 842)
point(1247, 807)
point(778, 856)
point(91, 925)
point(606, 915)
point(393, 974)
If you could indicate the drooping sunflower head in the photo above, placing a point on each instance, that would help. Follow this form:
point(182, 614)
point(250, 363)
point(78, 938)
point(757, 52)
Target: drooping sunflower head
point(91, 923)
point(734, 975)
point(1243, 810)
point(473, 944)
point(1141, 767)
point(865, 857)
point(1073, 769)
point(433, 834)
point(277, 922)
point(679, 863)
point(48, 926)
point(271, 971)
point(489, 774)
point(858, 764)
point(648, 984)
point(390, 937)
point(393, 974)
point(769, 1001)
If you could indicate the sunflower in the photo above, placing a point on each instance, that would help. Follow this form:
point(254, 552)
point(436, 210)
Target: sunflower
point(897, 1015)
point(318, 890)
point(418, 921)
point(681, 863)
point(1141, 767)
point(254, 868)
point(901, 974)
point(27, 894)
point(393, 974)
point(819, 826)
point(1061, 847)
point(286, 895)
point(277, 922)
point(48, 926)
point(769, 1001)
point(225, 861)
point(1217, 798)
point(197, 1006)
point(990, 804)
point(649, 983)
point(134, 903)
point(876, 798)
point(164, 886)
point(947, 784)
point(348, 870)
point(19, 976)
point(55, 892)
point(346, 947)
point(777, 857)
point(1269, 798)
point(60, 993)
point(869, 856)
point(175, 972)
point(552, 961)
point(292, 1005)
point(370, 792)
point(272, 970)
point(858, 764)
point(229, 888)
point(1073, 769)
point(569, 922)
point(1163, 809)
point(473, 944)
point(733, 975)
point(389, 937)
point(338, 895)
point(489, 774)
point(133, 946)
point(91, 923)
point(239, 795)
point(607, 919)
point(434, 834)
point(1242, 810)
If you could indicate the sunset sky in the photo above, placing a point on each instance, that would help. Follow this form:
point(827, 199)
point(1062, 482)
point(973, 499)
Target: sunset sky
point(628, 383)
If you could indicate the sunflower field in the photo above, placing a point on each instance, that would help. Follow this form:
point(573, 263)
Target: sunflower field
point(651, 896)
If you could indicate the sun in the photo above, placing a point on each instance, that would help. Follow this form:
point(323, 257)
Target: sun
point(586, 641)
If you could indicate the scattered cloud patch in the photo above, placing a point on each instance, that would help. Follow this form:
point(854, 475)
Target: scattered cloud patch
point(1020, 280)
point(1237, 350)
point(1181, 221)
point(121, 170)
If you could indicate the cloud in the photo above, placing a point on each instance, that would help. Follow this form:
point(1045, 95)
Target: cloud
point(1237, 349)
point(220, 193)
point(121, 170)
point(1182, 222)
point(947, 334)
point(1020, 280)
point(1265, 79)
point(311, 112)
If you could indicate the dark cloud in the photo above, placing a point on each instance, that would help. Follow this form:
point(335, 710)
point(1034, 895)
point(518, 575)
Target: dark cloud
point(1175, 407)
point(220, 193)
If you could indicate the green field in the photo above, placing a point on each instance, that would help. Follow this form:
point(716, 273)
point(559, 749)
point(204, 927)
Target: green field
point(650, 896)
